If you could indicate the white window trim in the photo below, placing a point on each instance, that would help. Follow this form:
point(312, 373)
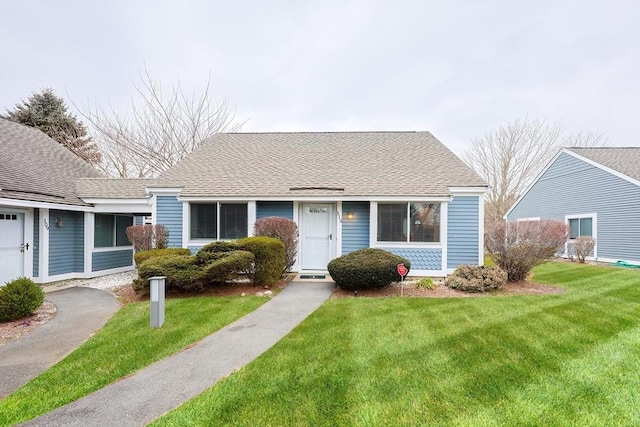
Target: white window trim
point(186, 222)
point(373, 228)
point(537, 218)
point(594, 230)
point(115, 232)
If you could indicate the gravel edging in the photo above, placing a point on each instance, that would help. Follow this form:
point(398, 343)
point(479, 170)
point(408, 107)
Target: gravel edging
point(107, 282)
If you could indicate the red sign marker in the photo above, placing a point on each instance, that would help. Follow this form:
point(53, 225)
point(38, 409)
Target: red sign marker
point(402, 270)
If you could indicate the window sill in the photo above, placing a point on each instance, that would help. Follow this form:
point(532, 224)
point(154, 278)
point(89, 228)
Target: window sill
point(113, 248)
point(417, 245)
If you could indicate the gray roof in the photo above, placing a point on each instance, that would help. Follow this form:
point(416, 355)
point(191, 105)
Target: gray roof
point(34, 167)
point(625, 160)
point(320, 164)
point(113, 188)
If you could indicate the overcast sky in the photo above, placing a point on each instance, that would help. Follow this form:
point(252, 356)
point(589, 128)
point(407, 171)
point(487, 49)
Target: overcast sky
point(457, 69)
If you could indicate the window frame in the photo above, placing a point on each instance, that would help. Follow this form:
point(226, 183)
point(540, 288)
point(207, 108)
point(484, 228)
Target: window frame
point(114, 231)
point(594, 231)
point(407, 225)
point(218, 234)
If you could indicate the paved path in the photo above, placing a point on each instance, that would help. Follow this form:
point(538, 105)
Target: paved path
point(80, 312)
point(161, 387)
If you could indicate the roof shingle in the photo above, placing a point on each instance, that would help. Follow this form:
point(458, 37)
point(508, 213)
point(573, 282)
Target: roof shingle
point(412, 164)
point(34, 167)
point(625, 160)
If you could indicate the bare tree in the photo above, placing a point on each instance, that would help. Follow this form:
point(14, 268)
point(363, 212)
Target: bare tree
point(510, 158)
point(161, 129)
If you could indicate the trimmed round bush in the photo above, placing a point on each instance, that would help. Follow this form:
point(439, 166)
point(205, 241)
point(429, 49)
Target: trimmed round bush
point(182, 272)
point(473, 278)
point(228, 265)
point(215, 250)
point(269, 262)
point(142, 256)
point(366, 269)
point(19, 298)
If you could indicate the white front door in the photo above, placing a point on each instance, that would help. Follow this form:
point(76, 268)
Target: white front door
point(11, 246)
point(317, 236)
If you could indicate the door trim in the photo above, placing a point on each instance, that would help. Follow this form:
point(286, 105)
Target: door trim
point(27, 236)
point(332, 227)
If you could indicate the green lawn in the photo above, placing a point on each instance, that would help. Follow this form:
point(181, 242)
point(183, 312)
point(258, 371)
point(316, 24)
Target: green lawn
point(124, 345)
point(570, 359)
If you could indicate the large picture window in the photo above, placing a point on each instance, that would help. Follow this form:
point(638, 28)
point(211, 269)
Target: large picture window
point(218, 221)
point(409, 222)
point(111, 230)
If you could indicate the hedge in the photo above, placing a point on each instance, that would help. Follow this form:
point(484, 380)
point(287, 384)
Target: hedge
point(269, 262)
point(141, 257)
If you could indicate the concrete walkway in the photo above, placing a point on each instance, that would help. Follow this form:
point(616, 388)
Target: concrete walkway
point(80, 312)
point(163, 386)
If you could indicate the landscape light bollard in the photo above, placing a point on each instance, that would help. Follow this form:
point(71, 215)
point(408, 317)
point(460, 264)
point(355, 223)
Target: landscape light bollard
point(157, 301)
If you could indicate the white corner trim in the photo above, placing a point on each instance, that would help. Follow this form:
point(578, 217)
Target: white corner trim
point(44, 245)
point(186, 223)
point(480, 230)
point(338, 242)
point(89, 230)
point(444, 225)
point(252, 213)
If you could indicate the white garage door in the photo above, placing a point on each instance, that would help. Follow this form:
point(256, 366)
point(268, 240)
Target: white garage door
point(11, 250)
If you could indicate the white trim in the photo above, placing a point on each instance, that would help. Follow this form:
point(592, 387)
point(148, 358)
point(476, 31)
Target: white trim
point(333, 220)
point(296, 218)
point(154, 209)
point(317, 199)
point(601, 166)
point(112, 249)
point(122, 206)
point(480, 230)
point(102, 201)
point(338, 230)
point(165, 191)
point(536, 218)
point(469, 191)
point(252, 214)
point(594, 229)
point(89, 232)
point(186, 224)
point(373, 233)
point(373, 224)
point(444, 221)
point(44, 225)
point(614, 260)
point(43, 205)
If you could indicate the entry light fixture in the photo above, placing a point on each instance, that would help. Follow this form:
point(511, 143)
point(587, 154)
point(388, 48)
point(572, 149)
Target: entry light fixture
point(59, 223)
point(350, 215)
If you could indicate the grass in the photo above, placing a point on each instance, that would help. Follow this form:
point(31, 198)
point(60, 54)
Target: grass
point(569, 359)
point(125, 345)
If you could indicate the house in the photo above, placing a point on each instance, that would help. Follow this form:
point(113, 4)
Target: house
point(596, 191)
point(404, 192)
point(48, 231)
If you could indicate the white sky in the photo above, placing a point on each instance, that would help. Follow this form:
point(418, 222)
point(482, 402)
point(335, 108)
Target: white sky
point(458, 69)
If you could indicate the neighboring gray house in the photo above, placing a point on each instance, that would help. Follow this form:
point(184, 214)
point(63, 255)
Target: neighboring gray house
point(401, 191)
point(596, 191)
point(47, 230)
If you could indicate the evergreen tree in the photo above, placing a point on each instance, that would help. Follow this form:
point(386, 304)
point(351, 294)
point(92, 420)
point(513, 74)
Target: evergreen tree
point(48, 112)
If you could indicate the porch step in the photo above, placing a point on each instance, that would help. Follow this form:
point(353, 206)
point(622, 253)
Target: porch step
point(313, 276)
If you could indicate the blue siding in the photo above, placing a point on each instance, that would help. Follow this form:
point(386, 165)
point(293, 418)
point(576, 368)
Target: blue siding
point(66, 243)
point(36, 242)
point(112, 259)
point(138, 220)
point(463, 231)
point(355, 232)
point(572, 187)
point(283, 209)
point(421, 258)
point(169, 214)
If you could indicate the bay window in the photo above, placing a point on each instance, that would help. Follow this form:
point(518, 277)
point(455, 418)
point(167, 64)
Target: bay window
point(409, 222)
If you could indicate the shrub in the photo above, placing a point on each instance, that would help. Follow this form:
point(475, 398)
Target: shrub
point(182, 272)
point(18, 298)
point(366, 268)
point(582, 247)
point(473, 278)
point(147, 236)
point(284, 230)
point(517, 247)
point(228, 266)
point(215, 250)
point(426, 283)
point(269, 259)
point(141, 257)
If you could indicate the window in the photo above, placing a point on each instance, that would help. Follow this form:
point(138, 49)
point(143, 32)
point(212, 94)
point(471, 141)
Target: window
point(409, 222)
point(218, 221)
point(580, 227)
point(111, 230)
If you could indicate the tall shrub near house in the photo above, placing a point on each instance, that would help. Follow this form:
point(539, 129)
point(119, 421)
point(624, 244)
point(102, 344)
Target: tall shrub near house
point(517, 247)
point(282, 229)
point(269, 259)
point(148, 236)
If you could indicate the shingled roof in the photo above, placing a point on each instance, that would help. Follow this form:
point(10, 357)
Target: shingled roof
point(113, 188)
point(625, 160)
point(34, 167)
point(411, 164)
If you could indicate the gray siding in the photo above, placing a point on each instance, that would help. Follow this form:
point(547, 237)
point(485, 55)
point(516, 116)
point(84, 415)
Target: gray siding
point(169, 214)
point(355, 232)
point(421, 258)
point(66, 243)
point(138, 220)
point(572, 187)
point(112, 259)
point(36, 242)
point(462, 231)
point(283, 209)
